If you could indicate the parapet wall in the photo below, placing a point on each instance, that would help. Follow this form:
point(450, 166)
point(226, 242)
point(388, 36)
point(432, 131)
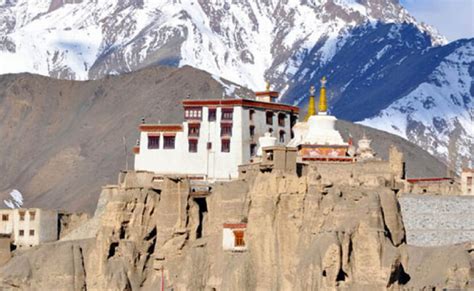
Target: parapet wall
point(437, 220)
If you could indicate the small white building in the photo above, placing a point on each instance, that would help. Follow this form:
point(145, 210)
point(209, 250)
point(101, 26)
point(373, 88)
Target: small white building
point(216, 137)
point(467, 184)
point(29, 227)
point(233, 237)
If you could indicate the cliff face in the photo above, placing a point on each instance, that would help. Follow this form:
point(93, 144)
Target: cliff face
point(303, 233)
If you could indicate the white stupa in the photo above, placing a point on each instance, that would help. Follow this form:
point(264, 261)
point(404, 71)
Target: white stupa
point(319, 129)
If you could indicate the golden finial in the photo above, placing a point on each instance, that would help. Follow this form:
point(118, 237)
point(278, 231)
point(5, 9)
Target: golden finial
point(312, 104)
point(268, 86)
point(323, 107)
point(323, 82)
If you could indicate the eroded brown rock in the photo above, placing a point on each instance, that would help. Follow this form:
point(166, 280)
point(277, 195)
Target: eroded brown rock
point(303, 233)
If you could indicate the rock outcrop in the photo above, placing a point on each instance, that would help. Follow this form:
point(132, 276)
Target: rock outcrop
point(303, 233)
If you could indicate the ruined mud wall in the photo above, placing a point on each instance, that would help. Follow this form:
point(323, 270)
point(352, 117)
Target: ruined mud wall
point(438, 220)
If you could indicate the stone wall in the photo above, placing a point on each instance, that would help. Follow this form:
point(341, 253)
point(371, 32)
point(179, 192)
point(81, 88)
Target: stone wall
point(437, 220)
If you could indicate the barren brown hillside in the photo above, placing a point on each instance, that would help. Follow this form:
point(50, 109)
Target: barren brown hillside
point(62, 140)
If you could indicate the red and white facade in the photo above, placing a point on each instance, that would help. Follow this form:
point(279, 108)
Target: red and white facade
point(216, 137)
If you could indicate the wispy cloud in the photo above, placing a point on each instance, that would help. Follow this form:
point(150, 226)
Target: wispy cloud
point(453, 18)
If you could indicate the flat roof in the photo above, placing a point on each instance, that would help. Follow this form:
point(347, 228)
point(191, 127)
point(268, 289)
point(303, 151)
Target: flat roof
point(243, 103)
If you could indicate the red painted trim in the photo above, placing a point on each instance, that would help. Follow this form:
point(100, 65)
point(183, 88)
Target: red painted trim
point(161, 127)
point(235, 225)
point(417, 180)
point(467, 170)
point(330, 159)
point(136, 150)
point(267, 93)
point(243, 103)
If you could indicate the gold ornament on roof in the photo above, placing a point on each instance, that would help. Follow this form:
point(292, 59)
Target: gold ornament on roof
point(323, 107)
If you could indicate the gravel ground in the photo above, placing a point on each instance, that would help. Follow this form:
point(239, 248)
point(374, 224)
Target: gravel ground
point(438, 220)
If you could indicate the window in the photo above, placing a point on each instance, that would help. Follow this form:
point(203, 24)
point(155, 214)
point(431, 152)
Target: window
point(469, 180)
point(22, 215)
point(225, 146)
point(226, 129)
point(32, 215)
point(239, 238)
point(251, 114)
point(269, 117)
point(154, 142)
point(21, 232)
point(252, 131)
point(4, 217)
point(282, 136)
point(209, 145)
point(32, 232)
point(168, 142)
point(253, 150)
point(193, 113)
point(281, 119)
point(193, 145)
point(193, 130)
point(227, 113)
point(212, 114)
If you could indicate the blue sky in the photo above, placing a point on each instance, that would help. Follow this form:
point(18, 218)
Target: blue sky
point(453, 18)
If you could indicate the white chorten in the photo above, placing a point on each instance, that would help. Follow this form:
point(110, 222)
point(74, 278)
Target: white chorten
point(319, 129)
point(267, 140)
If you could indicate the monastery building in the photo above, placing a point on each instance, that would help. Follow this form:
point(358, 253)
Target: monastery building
point(216, 137)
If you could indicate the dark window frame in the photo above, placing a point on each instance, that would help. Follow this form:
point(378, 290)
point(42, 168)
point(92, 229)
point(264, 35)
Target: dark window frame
point(226, 129)
point(269, 117)
point(169, 142)
point(153, 142)
point(193, 145)
point(281, 136)
point(212, 114)
point(281, 119)
point(225, 145)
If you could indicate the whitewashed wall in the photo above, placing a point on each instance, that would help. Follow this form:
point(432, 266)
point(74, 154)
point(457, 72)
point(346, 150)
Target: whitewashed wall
point(213, 163)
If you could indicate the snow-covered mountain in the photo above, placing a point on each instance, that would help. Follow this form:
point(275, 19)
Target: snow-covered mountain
point(374, 53)
point(245, 41)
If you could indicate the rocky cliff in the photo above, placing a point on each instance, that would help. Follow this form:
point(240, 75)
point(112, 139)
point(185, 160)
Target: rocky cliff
point(303, 233)
point(51, 128)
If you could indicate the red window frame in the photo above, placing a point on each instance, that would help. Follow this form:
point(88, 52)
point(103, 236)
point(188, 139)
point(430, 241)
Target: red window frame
point(226, 129)
point(225, 145)
point(227, 113)
point(239, 238)
point(193, 113)
point(193, 129)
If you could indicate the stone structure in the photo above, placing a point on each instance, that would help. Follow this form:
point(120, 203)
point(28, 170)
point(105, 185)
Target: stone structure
point(436, 220)
point(5, 248)
point(467, 184)
point(29, 227)
point(364, 150)
point(217, 136)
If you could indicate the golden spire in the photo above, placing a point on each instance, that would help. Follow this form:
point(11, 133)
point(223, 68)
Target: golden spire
point(323, 107)
point(311, 105)
point(268, 86)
